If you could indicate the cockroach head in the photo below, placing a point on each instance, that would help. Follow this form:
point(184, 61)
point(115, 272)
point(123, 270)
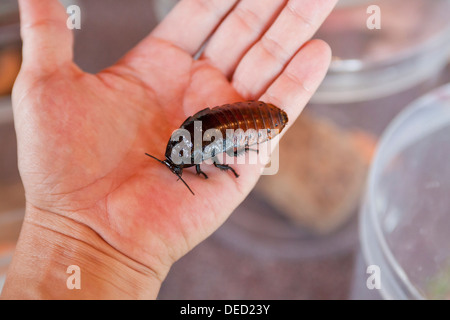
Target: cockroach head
point(173, 167)
point(177, 170)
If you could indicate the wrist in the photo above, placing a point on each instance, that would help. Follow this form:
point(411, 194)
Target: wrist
point(51, 243)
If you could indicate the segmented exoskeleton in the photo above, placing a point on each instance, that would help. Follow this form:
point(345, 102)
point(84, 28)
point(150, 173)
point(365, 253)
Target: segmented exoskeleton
point(252, 122)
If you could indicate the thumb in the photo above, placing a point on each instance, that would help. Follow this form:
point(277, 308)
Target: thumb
point(47, 42)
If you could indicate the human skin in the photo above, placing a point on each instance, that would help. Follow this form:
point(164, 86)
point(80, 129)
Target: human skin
point(93, 199)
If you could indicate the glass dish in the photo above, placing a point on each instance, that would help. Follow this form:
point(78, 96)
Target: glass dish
point(412, 45)
point(404, 221)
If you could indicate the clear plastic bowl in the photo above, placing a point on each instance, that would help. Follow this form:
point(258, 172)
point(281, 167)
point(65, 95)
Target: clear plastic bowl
point(405, 221)
point(412, 45)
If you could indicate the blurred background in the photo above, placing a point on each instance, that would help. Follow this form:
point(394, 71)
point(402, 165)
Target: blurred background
point(298, 235)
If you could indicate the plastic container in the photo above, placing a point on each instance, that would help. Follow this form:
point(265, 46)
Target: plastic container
point(411, 45)
point(405, 221)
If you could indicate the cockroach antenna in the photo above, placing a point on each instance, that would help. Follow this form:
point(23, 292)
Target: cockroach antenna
point(167, 164)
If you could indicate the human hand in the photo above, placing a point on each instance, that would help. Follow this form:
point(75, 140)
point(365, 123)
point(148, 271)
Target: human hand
point(91, 192)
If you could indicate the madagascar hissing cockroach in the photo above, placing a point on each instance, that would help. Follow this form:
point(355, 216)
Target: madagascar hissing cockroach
point(250, 116)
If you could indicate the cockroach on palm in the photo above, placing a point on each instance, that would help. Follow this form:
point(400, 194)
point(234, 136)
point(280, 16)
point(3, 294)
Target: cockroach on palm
point(249, 116)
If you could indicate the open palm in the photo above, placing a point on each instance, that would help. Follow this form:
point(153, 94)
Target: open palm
point(82, 138)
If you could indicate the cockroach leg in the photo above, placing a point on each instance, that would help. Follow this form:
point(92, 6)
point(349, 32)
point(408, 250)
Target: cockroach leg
point(200, 172)
point(224, 167)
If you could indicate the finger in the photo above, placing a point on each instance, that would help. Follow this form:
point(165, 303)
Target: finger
point(191, 22)
point(47, 42)
point(239, 31)
point(217, 91)
point(297, 23)
point(295, 86)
